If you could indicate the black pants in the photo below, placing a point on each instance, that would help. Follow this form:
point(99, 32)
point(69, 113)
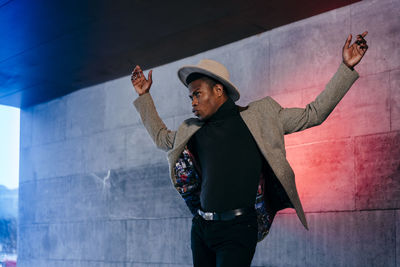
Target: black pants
point(224, 243)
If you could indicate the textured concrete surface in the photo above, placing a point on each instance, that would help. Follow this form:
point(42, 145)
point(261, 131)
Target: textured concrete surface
point(352, 239)
point(395, 100)
point(95, 191)
point(324, 174)
point(361, 238)
point(50, 122)
point(378, 171)
point(150, 241)
point(285, 245)
point(304, 55)
point(381, 19)
point(85, 111)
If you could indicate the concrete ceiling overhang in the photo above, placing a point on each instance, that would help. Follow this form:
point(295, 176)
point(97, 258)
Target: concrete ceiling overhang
point(51, 48)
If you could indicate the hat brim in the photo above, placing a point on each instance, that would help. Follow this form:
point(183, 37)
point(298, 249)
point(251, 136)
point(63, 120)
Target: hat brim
point(231, 89)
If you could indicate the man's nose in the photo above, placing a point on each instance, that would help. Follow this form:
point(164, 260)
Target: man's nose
point(194, 102)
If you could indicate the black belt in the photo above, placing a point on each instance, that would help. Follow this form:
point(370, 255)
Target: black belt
point(223, 216)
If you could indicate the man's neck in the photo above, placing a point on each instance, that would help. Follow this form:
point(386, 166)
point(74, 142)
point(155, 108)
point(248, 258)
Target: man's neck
point(226, 109)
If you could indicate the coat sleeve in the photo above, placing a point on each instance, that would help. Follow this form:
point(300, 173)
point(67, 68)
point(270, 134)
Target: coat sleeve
point(161, 135)
point(298, 119)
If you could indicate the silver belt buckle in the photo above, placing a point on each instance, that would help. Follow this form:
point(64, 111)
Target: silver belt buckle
point(208, 216)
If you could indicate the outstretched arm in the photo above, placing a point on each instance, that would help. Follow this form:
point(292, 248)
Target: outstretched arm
point(161, 135)
point(297, 119)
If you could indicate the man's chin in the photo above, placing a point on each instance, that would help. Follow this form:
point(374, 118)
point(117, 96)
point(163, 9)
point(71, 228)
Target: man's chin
point(198, 116)
point(202, 118)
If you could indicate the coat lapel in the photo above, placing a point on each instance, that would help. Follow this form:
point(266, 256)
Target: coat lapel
point(252, 122)
point(274, 158)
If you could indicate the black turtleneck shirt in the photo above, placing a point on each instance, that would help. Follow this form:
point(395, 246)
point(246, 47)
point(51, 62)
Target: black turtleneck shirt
point(229, 159)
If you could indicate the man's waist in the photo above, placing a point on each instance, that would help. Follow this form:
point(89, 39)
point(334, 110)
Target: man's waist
point(225, 215)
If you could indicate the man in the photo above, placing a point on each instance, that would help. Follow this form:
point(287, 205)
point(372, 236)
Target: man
point(229, 164)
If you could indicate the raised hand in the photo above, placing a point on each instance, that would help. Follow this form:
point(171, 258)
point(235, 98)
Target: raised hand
point(352, 54)
point(141, 84)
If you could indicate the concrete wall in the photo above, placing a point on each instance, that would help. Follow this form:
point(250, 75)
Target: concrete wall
point(94, 190)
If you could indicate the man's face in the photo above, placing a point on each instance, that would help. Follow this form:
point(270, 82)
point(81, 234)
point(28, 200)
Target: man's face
point(204, 99)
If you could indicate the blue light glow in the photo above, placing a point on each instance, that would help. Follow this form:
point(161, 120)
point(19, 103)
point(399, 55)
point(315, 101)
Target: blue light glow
point(9, 146)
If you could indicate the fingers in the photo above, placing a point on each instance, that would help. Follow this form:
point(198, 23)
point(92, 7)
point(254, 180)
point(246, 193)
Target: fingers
point(348, 41)
point(136, 73)
point(139, 80)
point(136, 69)
point(360, 40)
point(361, 43)
point(359, 50)
point(363, 46)
point(352, 54)
point(364, 34)
point(363, 49)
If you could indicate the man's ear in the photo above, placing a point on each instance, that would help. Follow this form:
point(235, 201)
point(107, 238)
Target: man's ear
point(219, 89)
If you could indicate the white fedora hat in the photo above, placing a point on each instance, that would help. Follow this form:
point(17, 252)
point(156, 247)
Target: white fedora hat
point(214, 70)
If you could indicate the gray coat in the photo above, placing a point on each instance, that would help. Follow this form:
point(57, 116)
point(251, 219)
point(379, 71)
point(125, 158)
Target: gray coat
point(267, 121)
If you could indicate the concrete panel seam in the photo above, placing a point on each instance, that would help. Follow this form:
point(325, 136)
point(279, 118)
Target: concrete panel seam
point(390, 102)
point(395, 239)
point(49, 179)
point(352, 211)
point(354, 173)
point(320, 142)
point(322, 85)
point(101, 220)
point(161, 263)
point(374, 134)
point(125, 225)
point(80, 260)
point(83, 136)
